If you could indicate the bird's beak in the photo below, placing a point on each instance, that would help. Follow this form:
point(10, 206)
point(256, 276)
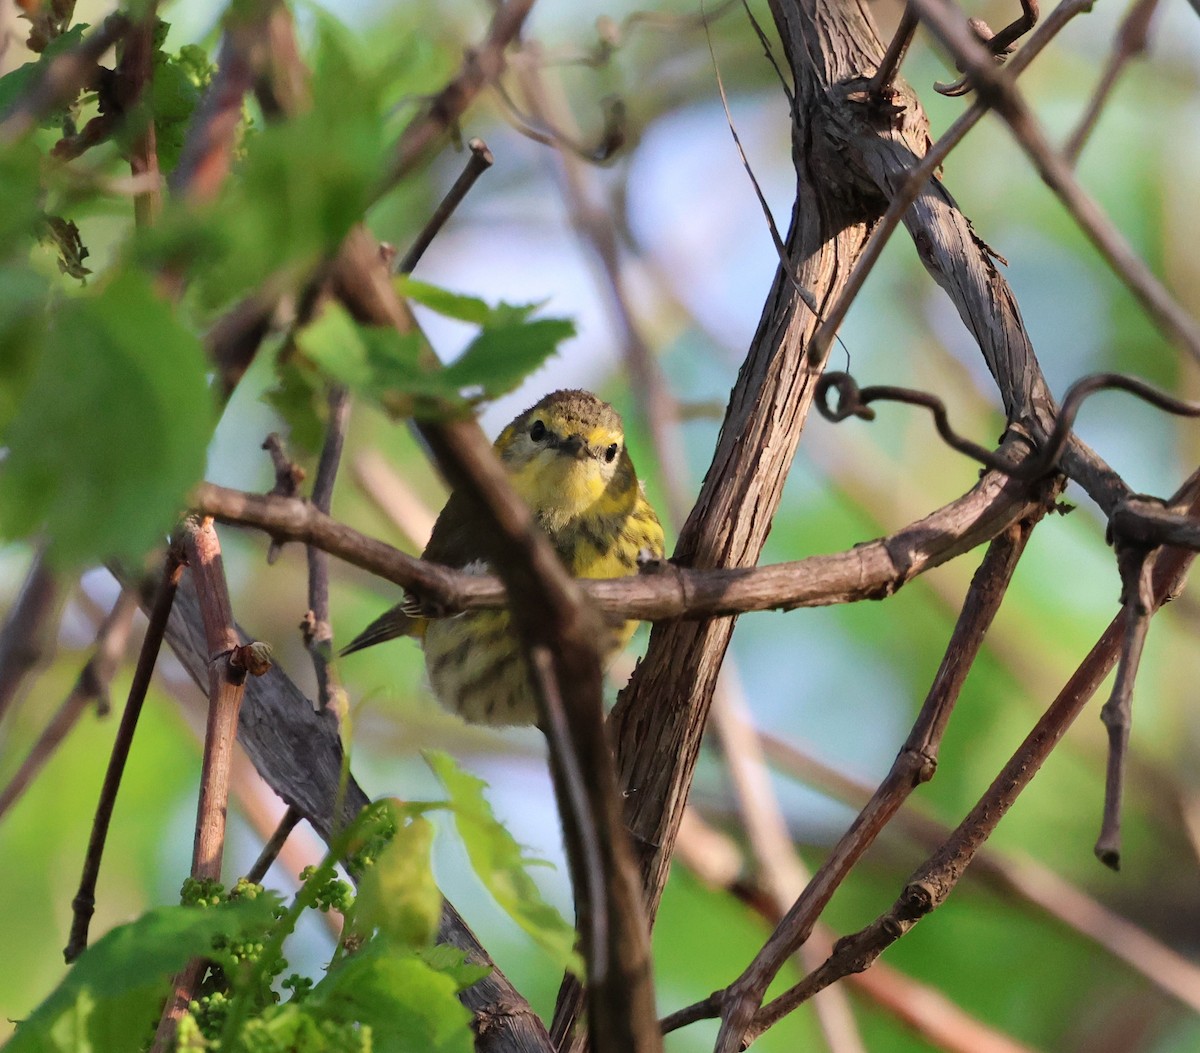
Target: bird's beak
point(573, 446)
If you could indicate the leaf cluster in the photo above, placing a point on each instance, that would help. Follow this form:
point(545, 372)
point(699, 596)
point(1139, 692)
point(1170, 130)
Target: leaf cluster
point(388, 987)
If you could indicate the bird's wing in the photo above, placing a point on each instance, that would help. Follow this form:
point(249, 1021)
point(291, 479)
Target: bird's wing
point(453, 543)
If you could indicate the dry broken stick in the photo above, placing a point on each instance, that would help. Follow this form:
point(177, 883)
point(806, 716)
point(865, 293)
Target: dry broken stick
point(229, 663)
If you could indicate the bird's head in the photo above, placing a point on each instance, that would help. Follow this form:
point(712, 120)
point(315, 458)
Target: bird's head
point(567, 456)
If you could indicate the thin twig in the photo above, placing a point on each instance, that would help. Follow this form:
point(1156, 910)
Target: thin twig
point(1117, 712)
point(1131, 41)
point(84, 903)
point(91, 686)
point(880, 85)
point(479, 161)
point(1018, 876)
point(274, 844)
point(317, 626)
point(716, 860)
point(318, 630)
point(855, 401)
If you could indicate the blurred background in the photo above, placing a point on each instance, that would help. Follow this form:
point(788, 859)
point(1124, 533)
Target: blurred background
point(838, 686)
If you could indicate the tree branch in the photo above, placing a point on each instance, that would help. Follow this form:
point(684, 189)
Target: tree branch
point(871, 570)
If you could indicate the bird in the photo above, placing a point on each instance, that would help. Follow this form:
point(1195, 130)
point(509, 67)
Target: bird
point(566, 457)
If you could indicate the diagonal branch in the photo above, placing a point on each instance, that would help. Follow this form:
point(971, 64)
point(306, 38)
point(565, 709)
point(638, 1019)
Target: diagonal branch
point(915, 764)
point(937, 877)
point(951, 27)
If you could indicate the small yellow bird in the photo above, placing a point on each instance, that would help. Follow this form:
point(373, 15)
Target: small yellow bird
point(567, 459)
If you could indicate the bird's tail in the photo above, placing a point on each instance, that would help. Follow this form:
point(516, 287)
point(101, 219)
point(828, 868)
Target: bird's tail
point(388, 626)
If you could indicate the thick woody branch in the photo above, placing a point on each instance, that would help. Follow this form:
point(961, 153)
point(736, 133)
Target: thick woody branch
point(559, 631)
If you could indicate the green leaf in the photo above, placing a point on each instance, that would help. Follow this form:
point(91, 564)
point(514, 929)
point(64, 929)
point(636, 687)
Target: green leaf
point(499, 358)
point(502, 865)
point(372, 360)
point(408, 1005)
point(112, 430)
point(451, 960)
point(297, 399)
point(22, 319)
point(21, 191)
point(175, 91)
point(302, 184)
point(386, 366)
point(398, 895)
point(450, 305)
point(15, 84)
point(111, 998)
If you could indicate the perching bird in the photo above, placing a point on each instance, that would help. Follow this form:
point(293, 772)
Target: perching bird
point(567, 459)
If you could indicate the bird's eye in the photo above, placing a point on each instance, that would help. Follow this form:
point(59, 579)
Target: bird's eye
point(611, 453)
point(538, 432)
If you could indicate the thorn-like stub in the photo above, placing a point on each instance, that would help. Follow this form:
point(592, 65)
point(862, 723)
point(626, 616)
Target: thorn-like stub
point(254, 658)
point(916, 900)
point(1109, 855)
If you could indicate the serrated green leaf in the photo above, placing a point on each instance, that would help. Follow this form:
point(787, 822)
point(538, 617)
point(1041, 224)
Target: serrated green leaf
point(500, 357)
point(398, 895)
point(450, 305)
point(407, 1004)
point(111, 998)
point(372, 360)
point(112, 429)
point(501, 864)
